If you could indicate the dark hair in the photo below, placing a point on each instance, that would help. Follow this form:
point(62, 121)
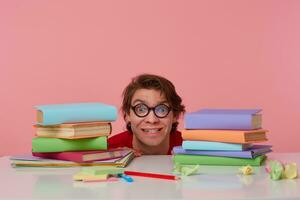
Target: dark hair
point(150, 81)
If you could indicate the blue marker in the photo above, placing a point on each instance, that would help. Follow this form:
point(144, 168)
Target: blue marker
point(126, 178)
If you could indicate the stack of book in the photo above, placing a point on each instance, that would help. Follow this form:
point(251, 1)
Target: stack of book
point(73, 132)
point(222, 137)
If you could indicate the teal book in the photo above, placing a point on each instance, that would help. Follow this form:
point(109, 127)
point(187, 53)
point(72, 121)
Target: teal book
point(40, 144)
point(214, 146)
point(217, 160)
point(54, 114)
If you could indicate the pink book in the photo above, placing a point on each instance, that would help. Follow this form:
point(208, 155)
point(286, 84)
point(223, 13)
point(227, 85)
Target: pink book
point(84, 156)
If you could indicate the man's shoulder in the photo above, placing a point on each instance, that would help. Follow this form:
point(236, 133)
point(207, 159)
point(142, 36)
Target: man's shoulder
point(120, 140)
point(176, 138)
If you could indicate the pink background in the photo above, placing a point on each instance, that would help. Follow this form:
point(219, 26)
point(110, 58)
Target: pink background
point(221, 54)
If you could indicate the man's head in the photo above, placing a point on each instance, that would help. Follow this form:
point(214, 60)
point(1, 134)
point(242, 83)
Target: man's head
point(151, 108)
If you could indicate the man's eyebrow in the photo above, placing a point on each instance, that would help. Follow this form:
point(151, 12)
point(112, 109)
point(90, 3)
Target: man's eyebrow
point(142, 101)
point(138, 100)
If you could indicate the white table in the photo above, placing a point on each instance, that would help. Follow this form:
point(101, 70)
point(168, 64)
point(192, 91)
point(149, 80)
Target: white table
point(213, 182)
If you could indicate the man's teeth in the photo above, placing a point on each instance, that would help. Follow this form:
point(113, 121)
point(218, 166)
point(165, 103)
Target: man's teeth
point(151, 130)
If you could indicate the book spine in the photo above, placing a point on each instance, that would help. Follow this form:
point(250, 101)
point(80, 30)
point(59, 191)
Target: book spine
point(76, 113)
point(215, 160)
point(225, 136)
point(40, 144)
point(235, 154)
point(203, 145)
point(59, 156)
point(218, 121)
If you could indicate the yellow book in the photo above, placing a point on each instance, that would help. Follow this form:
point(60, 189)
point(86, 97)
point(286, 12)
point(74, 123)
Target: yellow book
point(84, 176)
point(74, 130)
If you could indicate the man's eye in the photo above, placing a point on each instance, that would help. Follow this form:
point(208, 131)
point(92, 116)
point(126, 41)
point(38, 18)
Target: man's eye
point(141, 109)
point(162, 109)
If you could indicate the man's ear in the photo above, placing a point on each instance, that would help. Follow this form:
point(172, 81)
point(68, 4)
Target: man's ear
point(127, 118)
point(174, 119)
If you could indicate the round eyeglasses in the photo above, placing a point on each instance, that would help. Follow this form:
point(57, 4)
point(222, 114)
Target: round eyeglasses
point(142, 110)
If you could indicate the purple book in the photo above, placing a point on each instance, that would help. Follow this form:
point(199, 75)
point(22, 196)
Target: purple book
point(231, 119)
point(254, 151)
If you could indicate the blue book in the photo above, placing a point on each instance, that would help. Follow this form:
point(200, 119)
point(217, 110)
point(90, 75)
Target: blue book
point(232, 119)
point(214, 146)
point(76, 112)
point(252, 152)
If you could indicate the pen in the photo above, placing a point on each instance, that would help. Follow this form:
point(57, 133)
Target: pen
point(126, 178)
point(151, 175)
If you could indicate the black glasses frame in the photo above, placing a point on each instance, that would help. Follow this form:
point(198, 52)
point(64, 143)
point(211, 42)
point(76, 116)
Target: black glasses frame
point(149, 109)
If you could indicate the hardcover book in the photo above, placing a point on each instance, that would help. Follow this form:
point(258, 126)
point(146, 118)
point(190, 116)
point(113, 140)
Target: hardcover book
point(253, 152)
point(84, 156)
point(215, 146)
point(231, 136)
point(232, 119)
point(41, 144)
point(74, 130)
point(32, 161)
point(217, 160)
point(76, 112)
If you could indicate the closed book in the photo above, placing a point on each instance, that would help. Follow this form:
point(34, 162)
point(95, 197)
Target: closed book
point(40, 144)
point(232, 119)
point(252, 152)
point(231, 136)
point(54, 114)
point(220, 146)
point(217, 160)
point(74, 130)
point(83, 156)
point(32, 161)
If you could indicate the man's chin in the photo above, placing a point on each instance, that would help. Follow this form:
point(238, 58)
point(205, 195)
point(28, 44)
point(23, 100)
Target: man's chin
point(152, 143)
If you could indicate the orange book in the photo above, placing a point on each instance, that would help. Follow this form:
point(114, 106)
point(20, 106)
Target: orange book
point(231, 136)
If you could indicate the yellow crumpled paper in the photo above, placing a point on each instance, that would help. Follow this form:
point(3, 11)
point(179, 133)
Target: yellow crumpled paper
point(290, 171)
point(246, 170)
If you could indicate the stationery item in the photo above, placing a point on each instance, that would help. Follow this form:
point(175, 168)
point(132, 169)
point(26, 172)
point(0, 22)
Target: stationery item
point(217, 160)
point(98, 170)
point(221, 146)
point(232, 119)
point(83, 176)
point(126, 178)
point(109, 179)
point(186, 170)
point(252, 152)
point(74, 130)
point(231, 136)
point(75, 112)
point(40, 144)
point(151, 175)
point(246, 170)
point(32, 161)
point(84, 156)
point(278, 170)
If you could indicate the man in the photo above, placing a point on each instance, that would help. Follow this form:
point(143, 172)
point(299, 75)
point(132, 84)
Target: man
point(151, 108)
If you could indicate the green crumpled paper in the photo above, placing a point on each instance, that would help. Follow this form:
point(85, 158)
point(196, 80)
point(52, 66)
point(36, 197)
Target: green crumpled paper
point(278, 171)
point(186, 170)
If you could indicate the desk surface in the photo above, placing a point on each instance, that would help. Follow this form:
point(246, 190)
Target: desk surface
point(212, 182)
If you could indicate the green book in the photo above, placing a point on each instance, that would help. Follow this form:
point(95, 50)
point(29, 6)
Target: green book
point(217, 160)
point(40, 144)
point(98, 170)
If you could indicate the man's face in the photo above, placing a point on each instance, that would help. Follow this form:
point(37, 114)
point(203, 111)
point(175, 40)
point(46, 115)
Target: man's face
point(150, 130)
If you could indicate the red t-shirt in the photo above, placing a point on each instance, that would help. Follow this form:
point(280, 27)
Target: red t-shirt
point(124, 139)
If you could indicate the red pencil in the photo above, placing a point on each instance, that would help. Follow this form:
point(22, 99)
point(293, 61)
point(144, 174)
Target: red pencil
point(151, 175)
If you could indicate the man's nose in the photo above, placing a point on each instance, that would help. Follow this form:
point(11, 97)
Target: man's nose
point(151, 117)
